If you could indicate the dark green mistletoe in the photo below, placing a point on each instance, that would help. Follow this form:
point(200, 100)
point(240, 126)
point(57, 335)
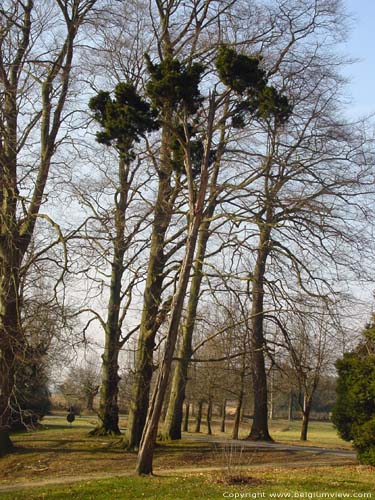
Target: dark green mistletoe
point(124, 118)
point(244, 75)
point(174, 85)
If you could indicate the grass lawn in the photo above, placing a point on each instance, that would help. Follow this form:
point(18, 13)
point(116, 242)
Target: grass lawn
point(349, 482)
point(321, 434)
point(60, 453)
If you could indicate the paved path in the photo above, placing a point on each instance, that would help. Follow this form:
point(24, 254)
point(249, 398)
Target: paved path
point(259, 445)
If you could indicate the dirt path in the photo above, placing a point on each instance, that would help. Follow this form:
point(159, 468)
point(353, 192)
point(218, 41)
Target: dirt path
point(326, 457)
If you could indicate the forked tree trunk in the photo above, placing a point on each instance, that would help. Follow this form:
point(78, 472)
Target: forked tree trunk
point(197, 196)
point(259, 429)
point(198, 419)
point(172, 428)
point(150, 320)
point(173, 421)
point(146, 452)
point(19, 214)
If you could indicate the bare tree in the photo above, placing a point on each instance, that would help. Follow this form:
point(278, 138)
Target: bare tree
point(35, 87)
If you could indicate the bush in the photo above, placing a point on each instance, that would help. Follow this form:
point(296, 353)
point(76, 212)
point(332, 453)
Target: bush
point(354, 412)
point(31, 401)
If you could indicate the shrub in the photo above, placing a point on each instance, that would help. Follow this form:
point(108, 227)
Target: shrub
point(354, 412)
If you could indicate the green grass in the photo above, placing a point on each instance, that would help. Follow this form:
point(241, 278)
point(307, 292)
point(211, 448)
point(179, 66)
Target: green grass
point(339, 480)
point(321, 434)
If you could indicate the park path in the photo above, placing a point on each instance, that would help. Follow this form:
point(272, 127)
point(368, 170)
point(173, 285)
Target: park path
point(256, 446)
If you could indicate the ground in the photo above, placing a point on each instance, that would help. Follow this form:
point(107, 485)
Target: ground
point(199, 466)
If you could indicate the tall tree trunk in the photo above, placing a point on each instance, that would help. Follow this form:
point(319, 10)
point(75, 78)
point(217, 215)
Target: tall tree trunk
point(12, 342)
point(186, 419)
point(173, 421)
point(197, 196)
point(19, 214)
point(150, 320)
point(108, 413)
point(145, 455)
point(209, 416)
point(223, 415)
point(307, 401)
point(198, 419)
point(172, 426)
point(259, 429)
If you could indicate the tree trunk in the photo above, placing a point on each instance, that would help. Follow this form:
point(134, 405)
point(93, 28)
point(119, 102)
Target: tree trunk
point(271, 407)
point(305, 417)
point(173, 419)
point(145, 455)
point(12, 348)
point(186, 419)
point(198, 419)
point(223, 415)
point(108, 407)
point(90, 399)
point(7, 372)
point(197, 197)
point(290, 407)
point(180, 375)
point(151, 320)
point(259, 430)
point(209, 416)
point(237, 417)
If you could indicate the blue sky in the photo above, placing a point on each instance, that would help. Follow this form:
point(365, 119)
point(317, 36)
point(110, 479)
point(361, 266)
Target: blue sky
point(361, 44)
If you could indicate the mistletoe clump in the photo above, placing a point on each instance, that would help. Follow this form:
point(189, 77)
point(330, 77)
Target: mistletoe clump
point(244, 75)
point(124, 119)
point(240, 72)
point(174, 84)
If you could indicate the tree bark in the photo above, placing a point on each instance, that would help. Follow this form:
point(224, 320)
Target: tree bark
point(173, 421)
point(259, 429)
point(209, 416)
point(186, 419)
point(197, 196)
point(172, 427)
point(152, 296)
point(307, 401)
point(237, 419)
point(198, 419)
point(223, 415)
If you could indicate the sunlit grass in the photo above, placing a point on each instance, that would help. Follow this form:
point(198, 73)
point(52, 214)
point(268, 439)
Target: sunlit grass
point(353, 482)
